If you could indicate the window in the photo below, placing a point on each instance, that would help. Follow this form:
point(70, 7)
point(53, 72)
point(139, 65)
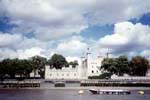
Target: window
point(74, 74)
point(92, 71)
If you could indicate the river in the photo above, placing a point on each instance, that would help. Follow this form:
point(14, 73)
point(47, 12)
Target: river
point(65, 94)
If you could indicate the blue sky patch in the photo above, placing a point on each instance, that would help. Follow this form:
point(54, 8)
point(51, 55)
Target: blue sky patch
point(95, 32)
point(144, 19)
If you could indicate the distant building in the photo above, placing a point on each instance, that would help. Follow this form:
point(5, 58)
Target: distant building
point(88, 67)
point(64, 73)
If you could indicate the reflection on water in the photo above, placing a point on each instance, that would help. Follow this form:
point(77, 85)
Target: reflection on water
point(44, 94)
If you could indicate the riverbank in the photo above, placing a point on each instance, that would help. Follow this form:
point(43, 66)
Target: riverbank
point(79, 88)
point(71, 85)
point(87, 88)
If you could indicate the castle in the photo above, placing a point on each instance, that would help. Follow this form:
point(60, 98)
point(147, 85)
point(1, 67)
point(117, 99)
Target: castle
point(87, 67)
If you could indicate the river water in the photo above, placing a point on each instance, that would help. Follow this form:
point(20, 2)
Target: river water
point(65, 94)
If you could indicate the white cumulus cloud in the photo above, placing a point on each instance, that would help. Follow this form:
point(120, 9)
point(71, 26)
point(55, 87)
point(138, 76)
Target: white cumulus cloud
point(54, 23)
point(127, 37)
point(49, 19)
point(72, 47)
point(25, 54)
point(7, 40)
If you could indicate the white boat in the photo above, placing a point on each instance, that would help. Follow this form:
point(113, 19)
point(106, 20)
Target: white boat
point(121, 92)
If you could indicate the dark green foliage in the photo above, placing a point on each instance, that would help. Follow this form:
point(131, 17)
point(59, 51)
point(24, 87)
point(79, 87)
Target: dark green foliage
point(105, 75)
point(12, 67)
point(3, 71)
point(139, 66)
point(102, 76)
point(73, 63)
point(109, 64)
point(122, 65)
point(24, 68)
point(38, 64)
point(57, 61)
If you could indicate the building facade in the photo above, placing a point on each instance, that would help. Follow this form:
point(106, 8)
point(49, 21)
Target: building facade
point(64, 73)
point(88, 67)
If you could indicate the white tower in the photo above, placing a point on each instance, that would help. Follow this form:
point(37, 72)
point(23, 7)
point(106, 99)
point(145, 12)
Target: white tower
point(84, 66)
point(93, 65)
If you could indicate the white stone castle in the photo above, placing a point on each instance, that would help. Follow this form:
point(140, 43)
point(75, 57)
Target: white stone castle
point(87, 67)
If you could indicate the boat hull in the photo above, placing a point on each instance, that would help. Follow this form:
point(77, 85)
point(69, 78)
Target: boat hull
point(116, 92)
point(94, 91)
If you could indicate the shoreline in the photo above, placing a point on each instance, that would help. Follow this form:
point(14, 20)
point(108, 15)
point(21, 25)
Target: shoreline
point(79, 88)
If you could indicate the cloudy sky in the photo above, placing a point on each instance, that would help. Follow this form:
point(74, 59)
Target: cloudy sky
point(69, 27)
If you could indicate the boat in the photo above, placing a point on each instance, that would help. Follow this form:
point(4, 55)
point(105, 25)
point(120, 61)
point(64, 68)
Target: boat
point(59, 84)
point(94, 91)
point(117, 92)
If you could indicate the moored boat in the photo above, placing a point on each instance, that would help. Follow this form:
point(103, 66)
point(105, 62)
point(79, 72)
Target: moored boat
point(119, 92)
point(59, 84)
point(94, 91)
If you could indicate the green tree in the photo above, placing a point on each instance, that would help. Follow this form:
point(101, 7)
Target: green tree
point(122, 65)
point(10, 67)
point(13, 67)
point(74, 63)
point(109, 65)
point(24, 68)
point(139, 66)
point(2, 71)
point(38, 64)
point(118, 66)
point(57, 61)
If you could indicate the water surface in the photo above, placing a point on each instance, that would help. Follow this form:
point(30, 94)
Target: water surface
point(52, 94)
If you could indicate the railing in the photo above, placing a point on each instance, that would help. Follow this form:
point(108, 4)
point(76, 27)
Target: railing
point(19, 84)
point(125, 83)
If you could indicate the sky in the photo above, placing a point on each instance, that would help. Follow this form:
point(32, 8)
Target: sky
point(69, 27)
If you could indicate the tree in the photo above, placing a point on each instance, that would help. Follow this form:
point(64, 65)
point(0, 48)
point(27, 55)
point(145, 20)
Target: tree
point(24, 68)
point(57, 61)
point(122, 65)
point(10, 67)
point(118, 66)
point(139, 66)
point(2, 71)
point(38, 64)
point(13, 67)
point(109, 65)
point(28, 67)
point(74, 63)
